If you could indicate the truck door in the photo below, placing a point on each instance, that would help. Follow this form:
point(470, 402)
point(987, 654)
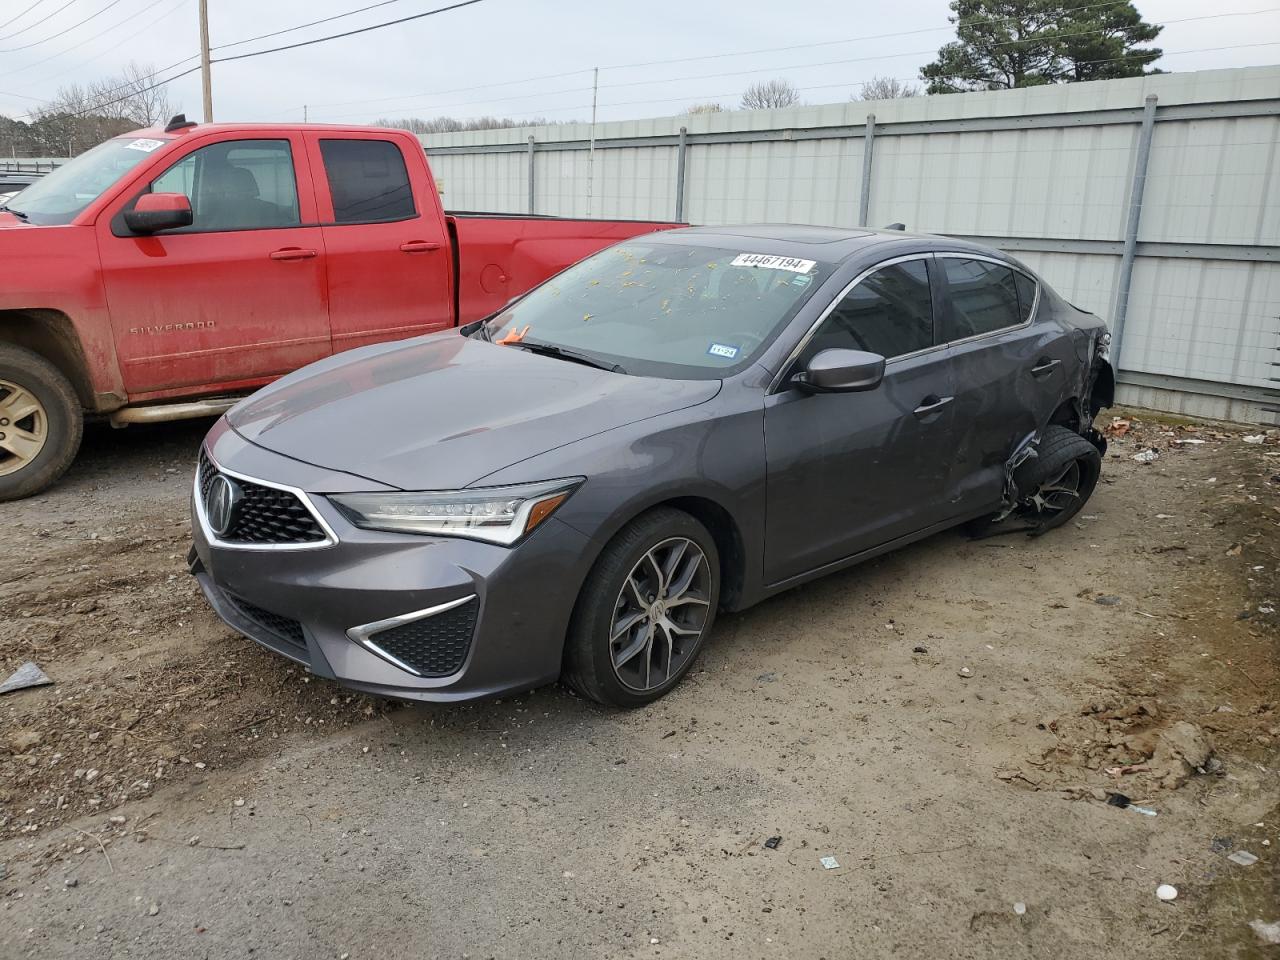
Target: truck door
point(237, 298)
point(385, 238)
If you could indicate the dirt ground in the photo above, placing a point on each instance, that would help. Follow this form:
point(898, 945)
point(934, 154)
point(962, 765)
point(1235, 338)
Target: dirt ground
point(948, 723)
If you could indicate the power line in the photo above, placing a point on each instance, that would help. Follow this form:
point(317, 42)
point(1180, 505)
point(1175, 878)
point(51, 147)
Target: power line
point(21, 15)
point(851, 83)
point(710, 56)
point(313, 23)
point(36, 43)
point(93, 37)
point(348, 33)
point(774, 69)
point(18, 33)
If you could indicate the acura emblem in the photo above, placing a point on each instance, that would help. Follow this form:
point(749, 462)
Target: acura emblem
point(221, 504)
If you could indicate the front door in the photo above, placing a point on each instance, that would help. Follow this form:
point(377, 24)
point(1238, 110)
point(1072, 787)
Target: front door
point(850, 471)
point(384, 234)
point(233, 300)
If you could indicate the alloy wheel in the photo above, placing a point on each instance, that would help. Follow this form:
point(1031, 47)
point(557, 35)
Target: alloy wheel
point(660, 614)
point(24, 427)
point(1057, 494)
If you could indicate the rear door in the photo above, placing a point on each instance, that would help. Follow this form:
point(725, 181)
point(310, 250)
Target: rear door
point(236, 298)
point(385, 239)
point(1008, 369)
point(850, 471)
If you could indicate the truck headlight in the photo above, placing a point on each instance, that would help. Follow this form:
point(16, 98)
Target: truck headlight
point(496, 514)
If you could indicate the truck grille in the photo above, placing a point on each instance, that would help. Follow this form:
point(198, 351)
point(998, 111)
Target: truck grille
point(283, 628)
point(434, 646)
point(266, 515)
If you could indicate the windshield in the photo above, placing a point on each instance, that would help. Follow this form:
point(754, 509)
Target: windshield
point(663, 309)
point(60, 196)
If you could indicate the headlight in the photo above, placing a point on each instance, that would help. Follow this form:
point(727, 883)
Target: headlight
point(497, 514)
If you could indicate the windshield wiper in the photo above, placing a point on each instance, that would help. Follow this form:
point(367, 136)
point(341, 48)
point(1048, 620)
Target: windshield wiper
point(560, 353)
point(17, 213)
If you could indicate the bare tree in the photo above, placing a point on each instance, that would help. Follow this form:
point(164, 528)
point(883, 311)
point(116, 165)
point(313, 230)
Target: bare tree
point(886, 88)
point(770, 94)
point(695, 108)
point(130, 96)
point(454, 125)
point(133, 95)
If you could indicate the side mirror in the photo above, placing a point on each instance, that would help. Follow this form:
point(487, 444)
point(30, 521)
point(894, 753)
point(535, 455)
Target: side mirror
point(159, 211)
point(841, 371)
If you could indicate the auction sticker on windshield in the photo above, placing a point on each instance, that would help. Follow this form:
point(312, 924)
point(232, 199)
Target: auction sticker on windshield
point(146, 146)
point(770, 262)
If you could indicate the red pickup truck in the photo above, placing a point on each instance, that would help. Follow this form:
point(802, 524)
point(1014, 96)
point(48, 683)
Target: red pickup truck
point(164, 272)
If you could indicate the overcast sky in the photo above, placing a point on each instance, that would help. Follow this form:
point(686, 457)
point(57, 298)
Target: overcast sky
point(495, 57)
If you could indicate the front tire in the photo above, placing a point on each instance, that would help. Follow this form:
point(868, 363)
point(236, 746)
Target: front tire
point(40, 423)
point(644, 611)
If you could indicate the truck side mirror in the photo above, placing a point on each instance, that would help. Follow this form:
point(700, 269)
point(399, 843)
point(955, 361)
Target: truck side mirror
point(159, 211)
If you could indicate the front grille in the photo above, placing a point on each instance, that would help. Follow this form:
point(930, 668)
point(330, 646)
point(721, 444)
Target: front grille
point(265, 515)
point(283, 628)
point(434, 646)
point(205, 473)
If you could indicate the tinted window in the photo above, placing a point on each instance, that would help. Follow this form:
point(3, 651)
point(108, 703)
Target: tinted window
point(1026, 294)
point(367, 180)
point(889, 313)
point(984, 297)
point(236, 185)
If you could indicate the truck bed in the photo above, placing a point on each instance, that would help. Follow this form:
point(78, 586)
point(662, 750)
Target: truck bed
point(499, 255)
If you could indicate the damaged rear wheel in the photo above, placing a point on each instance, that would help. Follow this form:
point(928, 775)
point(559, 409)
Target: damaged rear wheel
point(1052, 487)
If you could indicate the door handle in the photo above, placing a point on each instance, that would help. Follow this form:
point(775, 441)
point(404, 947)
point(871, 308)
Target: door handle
point(931, 403)
point(1044, 366)
point(419, 246)
point(292, 253)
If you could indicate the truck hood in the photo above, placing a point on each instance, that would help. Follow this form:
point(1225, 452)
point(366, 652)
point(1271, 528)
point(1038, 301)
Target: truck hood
point(443, 411)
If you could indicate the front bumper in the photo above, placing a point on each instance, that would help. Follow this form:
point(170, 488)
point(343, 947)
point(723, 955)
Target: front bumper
point(326, 607)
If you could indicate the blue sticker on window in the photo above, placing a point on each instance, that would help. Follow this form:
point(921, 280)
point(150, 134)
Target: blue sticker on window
point(722, 350)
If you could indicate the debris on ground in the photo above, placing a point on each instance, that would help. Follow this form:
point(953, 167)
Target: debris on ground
point(829, 863)
point(26, 676)
point(1149, 455)
point(772, 843)
point(1254, 438)
point(1267, 932)
point(1167, 891)
point(1019, 908)
point(1127, 739)
point(1244, 858)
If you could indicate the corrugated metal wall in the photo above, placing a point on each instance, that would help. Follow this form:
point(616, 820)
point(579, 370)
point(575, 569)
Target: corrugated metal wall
point(1046, 173)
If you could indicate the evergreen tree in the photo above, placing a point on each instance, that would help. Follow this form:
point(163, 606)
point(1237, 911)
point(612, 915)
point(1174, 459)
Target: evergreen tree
point(1002, 44)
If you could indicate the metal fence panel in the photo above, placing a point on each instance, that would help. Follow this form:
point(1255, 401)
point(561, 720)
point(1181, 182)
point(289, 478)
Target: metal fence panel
point(1047, 173)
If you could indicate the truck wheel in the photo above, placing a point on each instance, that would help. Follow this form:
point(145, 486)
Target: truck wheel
point(40, 423)
point(646, 607)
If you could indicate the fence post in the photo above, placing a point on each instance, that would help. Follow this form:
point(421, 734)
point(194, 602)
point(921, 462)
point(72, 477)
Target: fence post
point(531, 210)
point(868, 143)
point(680, 152)
point(1131, 228)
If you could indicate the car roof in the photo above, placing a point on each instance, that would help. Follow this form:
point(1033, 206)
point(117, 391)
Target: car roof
point(825, 244)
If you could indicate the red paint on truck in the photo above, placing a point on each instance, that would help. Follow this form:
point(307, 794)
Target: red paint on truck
point(321, 259)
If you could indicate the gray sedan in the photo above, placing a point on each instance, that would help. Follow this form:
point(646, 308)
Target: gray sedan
point(685, 423)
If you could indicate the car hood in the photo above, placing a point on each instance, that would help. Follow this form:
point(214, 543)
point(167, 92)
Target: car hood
point(443, 411)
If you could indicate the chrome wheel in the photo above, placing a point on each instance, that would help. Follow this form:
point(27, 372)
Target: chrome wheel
point(24, 427)
point(660, 614)
point(1055, 495)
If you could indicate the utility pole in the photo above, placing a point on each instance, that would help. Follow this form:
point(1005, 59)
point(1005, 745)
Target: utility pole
point(304, 113)
point(591, 151)
point(204, 61)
